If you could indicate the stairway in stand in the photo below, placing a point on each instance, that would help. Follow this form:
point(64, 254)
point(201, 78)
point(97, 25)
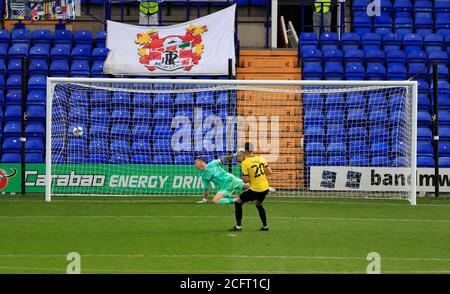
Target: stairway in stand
point(278, 116)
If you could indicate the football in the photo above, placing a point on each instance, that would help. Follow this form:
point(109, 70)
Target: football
point(77, 131)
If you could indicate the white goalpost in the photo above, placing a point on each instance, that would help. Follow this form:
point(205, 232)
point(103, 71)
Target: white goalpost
point(136, 137)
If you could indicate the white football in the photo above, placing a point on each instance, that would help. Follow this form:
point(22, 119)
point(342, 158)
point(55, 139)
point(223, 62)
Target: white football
point(77, 131)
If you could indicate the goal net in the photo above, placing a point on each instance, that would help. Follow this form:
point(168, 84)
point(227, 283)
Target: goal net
point(141, 136)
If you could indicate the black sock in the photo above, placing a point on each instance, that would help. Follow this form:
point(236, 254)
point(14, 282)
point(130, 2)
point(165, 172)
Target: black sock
point(262, 214)
point(238, 213)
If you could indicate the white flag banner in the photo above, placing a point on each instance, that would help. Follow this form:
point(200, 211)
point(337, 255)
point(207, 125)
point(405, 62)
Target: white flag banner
point(198, 47)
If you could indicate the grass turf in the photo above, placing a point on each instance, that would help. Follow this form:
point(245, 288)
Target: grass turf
point(176, 235)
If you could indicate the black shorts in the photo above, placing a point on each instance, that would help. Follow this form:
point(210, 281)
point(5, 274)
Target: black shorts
point(250, 195)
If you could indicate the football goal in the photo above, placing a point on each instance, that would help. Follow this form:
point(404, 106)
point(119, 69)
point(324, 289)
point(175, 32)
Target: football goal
point(141, 136)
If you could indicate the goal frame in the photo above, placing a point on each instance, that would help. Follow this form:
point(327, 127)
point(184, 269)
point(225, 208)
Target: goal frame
point(52, 81)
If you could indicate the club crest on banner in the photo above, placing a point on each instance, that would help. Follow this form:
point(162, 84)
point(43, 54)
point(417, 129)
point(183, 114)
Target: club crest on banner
point(173, 52)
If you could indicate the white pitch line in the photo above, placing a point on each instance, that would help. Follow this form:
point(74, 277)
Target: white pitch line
point(217, 256)
point(221, 217)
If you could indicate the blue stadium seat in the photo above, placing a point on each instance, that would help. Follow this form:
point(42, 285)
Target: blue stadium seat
point(100, 39)
point(59, 129)
point(12, 129)
point(163, 159)
point(337, 161)
point(205, 99)
point(354, 71)
point(444, 148)
point(315, 148)
point(444, 117)
point(443, 101)
point(402, 8)
point(119, 146)
point(433, 42)
point(120, 115)
point(359, 7)
point(396, 72)
point(5, 39)
point(80, 68)
point(396, 57)
point(99, 54)
point(423, 9)
point(443, 26)
point(38, 66)
point(382, 24)
point(333, 71)
point(350, 41)
point(119, 158)
point(83, 38)
point(142, 100)
point(141, 146)
point(420, 57)
point(397, 102)
point(357, 147)
point(355, 100)
point(311, 56)
point(39, 53)
point(336, 148)
point(141, 131)
point(99, 131)
point(80, 53)
point(424, 26)
point(312, 71)
point(36, 113)
point(425, 161)
point(442, 71)
point(378, 134)
point(37, 82)
point(359, 160)
point(412, 42)
point(424, 148)
point(142, 116)
point(163, 100)
point(438, 56)
point(13, 112)
point(356, 56)
point(362, 24)
point(314, 133)
point(379, 149)
point(162, 131)
point(334, 101)
point(121, 99)
point(63, 38)
point(78, 115)
point(76, 158)
point(443, 87)
point(334, 116)
point(333, 55)
point(97, 69)
point(357, 133)
point(162, 115)
point(329, 40)
point(42, 38)
point(375, 72)
point(184, 100)
point(356, 116)
point(335, 133)
point(316, 161)
point(60, 53)
point(391, 42)
point(423, 103)
point(98, 146)
point(417, 70)
point(21, 37)
point(99, 115)
point(184, 112)
point(98, 158)
point(314, 117)
point(120, 131)
point(223, 99)
point(184, 159)
point(444, 161)
point(442, 8)
point(14, 98)
point(380, 161)
point(11, 157)
point(399, 147)
point(403, 26)
point(308, 41)
point(371, 41)
point(162, 145)
point(77, 145)
point(11, 144)
point(378, 116)
point(59, 68)
point(375, 56)
point(34, 145)
point(141, 159)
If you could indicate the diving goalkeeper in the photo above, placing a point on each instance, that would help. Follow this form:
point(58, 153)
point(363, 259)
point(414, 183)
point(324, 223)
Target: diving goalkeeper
point(227, 183)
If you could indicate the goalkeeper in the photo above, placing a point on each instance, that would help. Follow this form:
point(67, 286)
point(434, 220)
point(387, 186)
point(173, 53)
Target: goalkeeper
point(226, 183)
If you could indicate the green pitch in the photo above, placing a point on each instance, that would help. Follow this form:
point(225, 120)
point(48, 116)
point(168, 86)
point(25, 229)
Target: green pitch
point(176, 235)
